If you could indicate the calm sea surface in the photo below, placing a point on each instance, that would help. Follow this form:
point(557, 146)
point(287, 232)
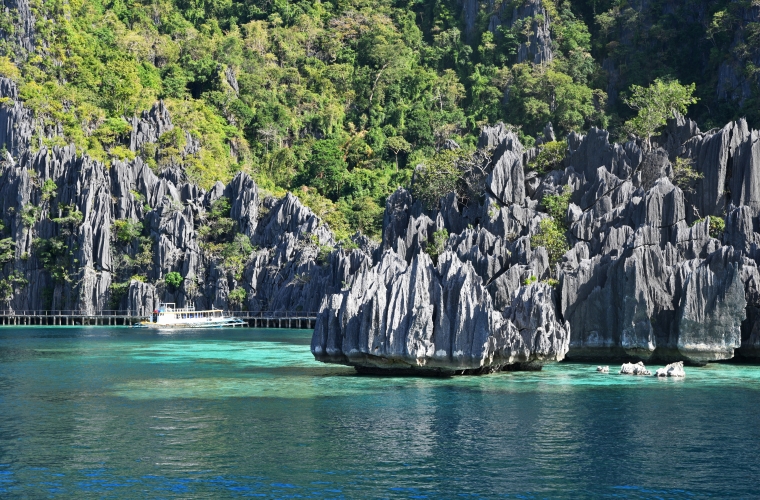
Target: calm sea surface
point(118, 413)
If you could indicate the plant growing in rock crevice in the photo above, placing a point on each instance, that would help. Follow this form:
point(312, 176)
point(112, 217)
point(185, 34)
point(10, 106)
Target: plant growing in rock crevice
point(56, 257)
point(549, 157)
point(458, 171)
point(552, 233)
point(237, 296)
point(127, 230)
point(8, 286)
point(436, 247)
point(174, 279)
point(684, 175)
point(717, 226)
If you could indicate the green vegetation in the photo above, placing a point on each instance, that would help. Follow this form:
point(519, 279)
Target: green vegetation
point(556, 205)
point(56, 257)
point(684, 176)
point(173, 279)
point(8, 285)
point(127, 230)
point(438, 245)
point(7, 250)
point(460, 170)
point(655, 104)
point(717, 226)
point(30, 214)
point(549, 157)
point(221, 241)
point(551, 235)
point(325, 209)
point(530, 280)
point(237, 296)
point(552, 232)
point(341, 100)
point(49, 189)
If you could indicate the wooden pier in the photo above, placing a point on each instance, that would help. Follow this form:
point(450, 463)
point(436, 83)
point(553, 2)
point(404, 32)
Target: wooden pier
point(268, 319)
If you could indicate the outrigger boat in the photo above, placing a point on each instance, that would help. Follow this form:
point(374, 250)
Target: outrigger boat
point(168, 316)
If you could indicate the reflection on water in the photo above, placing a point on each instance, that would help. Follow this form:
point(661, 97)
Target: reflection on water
point(94, 412)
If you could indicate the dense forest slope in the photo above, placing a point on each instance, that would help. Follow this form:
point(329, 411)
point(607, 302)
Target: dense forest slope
point(347, 97)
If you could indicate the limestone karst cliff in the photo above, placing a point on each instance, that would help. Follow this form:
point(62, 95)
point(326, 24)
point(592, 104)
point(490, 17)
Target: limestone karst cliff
point(83, 235)
point(645, 277)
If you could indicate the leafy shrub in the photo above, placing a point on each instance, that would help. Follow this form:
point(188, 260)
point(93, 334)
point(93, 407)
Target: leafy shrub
point(717, 226)
point(174, 279)
point(326, 210)
point(218, 227)
point(549, 157)
point(69, 218)
point(554, 283)
point(55, 256)
point(127, 230)
point(656, 103)
point(30, 214)
point(530, 280)
point(49, 189)
point(323, 254)
point(438, 245)
point(8, 69)
point(8, 285)
point(117, 292)
point(237, 296)
point(551, 235)
point(556, 205)
point(460, 171)
point(684, 176)
point(7, 250)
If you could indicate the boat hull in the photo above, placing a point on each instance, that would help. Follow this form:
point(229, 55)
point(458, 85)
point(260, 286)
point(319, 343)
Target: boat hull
point(211, 323)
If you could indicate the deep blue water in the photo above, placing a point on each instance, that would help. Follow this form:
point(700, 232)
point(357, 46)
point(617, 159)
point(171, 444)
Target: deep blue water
point(117, 413)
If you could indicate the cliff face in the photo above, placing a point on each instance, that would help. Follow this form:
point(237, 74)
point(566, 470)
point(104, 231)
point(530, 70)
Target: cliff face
point(644, 278)
point(87, 236)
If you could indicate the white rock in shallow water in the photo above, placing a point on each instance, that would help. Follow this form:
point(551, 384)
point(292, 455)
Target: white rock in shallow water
point(603, 369)
point(672, 370)
point(634, 369)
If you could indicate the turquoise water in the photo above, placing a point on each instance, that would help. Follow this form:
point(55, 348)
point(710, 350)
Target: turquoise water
point(118, 413)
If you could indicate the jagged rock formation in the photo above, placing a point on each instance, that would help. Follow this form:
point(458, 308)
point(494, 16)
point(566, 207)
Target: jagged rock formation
point(474, 311)
point(672, 370)
point(418, 317)
point(645, 278)
point(634, 369)
point(69, 218)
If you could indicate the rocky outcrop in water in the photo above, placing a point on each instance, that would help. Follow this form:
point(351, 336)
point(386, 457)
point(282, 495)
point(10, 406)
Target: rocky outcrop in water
point(421, 317)
point(672, 370)
point(634, 369)
point(645, 278)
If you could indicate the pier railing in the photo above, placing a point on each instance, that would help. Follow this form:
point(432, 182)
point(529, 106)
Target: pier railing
point(256, 319)
point(133, 314)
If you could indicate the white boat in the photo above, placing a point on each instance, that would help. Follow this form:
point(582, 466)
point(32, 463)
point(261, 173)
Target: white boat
point(168, 316)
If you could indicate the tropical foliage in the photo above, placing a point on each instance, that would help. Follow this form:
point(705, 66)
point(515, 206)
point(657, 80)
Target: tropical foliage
point(340, 100)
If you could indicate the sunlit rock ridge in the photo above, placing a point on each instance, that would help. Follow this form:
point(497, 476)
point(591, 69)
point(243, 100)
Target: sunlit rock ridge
point(643, 277)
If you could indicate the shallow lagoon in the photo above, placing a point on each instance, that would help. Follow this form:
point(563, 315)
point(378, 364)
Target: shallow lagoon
point(119, 413)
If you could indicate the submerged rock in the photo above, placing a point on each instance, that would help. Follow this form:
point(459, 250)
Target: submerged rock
point(634, 369)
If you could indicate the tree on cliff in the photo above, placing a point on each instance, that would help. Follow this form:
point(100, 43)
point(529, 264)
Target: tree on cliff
point(663, 99)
